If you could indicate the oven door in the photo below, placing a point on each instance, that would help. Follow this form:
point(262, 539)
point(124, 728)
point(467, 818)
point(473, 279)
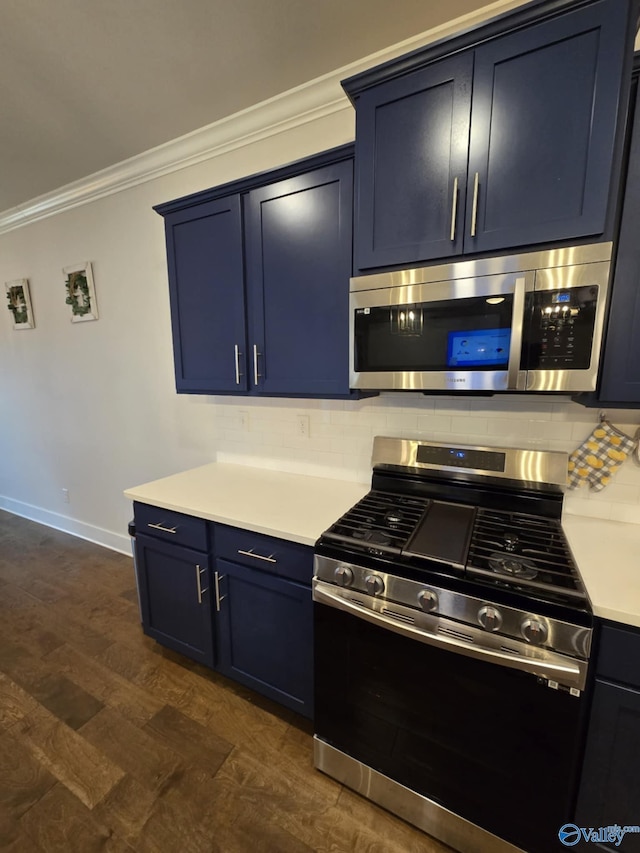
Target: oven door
point(463, 335)
point(494, 745)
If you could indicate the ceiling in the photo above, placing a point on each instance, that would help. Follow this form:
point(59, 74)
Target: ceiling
point(85, 84)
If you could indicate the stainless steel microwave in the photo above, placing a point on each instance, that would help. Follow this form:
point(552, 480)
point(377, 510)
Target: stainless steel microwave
point(528, 322)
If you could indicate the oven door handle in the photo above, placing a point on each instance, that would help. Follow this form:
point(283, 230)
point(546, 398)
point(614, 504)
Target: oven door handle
point(553, 667)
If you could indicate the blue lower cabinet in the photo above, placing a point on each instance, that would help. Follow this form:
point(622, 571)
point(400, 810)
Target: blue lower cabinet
point(175, 597)
point(610, 785)
point(610, 790)
point(265, 634)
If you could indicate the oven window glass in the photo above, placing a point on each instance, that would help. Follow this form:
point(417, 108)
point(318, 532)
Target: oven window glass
point(452, 334)
point(494, 745)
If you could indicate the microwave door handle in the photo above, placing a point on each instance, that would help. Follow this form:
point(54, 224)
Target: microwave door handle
point(517, 323)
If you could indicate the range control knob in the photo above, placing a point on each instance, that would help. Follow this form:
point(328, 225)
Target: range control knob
point(428, 600)
point(374, 584)
point(490, 618)
point(534, 631)
point(344, 575)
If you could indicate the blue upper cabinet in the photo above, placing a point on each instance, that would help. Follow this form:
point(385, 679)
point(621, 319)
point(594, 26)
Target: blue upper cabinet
point(412, 148)
point(514, 139)
point(545, 107)
point(206, 291)
point(259, 281)
point(298, 265)
point(620, 379)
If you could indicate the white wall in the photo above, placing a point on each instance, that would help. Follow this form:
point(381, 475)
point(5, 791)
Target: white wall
point(341, 435)
point(91, 407)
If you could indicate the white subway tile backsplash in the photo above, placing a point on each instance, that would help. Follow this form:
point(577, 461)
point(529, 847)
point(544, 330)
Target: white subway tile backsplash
point(556, 430)
point(451, 405)
point(629, 473)
point(508, 428)
point(620, 493)
point(401, 422)
point(341, 435)
point(469, 425)
point(601, 509)
point(626, 512)
point(434, 423)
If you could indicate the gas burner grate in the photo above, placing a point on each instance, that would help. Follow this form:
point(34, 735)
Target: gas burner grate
point(381, 521)
point(523, 551)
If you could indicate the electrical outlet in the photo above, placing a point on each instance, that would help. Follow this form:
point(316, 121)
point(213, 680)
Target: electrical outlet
point(243, 418)
point(302, 426)
point(65, 495)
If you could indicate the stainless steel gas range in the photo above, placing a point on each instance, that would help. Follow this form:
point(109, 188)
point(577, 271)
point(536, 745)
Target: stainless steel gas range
point(452, 637)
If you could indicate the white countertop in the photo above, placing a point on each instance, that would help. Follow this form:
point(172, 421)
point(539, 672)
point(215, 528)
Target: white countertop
point(299, 508)
point(608, 557)
point(292, 506)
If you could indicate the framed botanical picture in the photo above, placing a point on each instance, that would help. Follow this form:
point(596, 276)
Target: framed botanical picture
point(81, 294)
point(19, 303)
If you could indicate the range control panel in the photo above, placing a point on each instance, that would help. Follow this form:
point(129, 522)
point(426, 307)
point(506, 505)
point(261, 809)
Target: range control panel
point(558, 333)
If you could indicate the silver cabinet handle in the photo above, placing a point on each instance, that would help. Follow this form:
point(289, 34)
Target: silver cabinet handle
point(250, 553)
point(216, 580)
point(237, 354)
point(454, 210)
point(164, 529)
point(474, 210)
point(256, 375)
point(201, 591)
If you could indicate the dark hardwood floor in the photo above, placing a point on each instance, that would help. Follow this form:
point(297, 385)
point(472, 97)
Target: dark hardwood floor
point(108, 742)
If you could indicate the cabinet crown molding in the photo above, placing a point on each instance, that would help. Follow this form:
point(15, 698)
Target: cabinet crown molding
point(299, 106)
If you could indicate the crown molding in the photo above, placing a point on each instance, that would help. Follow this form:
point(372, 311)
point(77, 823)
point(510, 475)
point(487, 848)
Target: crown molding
point(306, 103)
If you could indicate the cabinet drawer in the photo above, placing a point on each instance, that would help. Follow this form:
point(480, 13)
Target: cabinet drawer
point(171, 526)
point(277, 556)
point(619, 656)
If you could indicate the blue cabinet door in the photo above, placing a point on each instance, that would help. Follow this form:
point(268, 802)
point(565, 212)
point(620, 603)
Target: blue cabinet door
point(412, 139)
point(610, 786)
point(175, 597)
point(265, 634)
point(620, 380)
point(206, 288)
point(298, 240)
point(543, 132)
point(528, 123)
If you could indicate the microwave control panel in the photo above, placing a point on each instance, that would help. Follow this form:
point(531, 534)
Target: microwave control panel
point(559, 328)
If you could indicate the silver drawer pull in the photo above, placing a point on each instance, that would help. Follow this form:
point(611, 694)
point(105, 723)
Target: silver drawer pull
point(164, 529)
point(206, 589)
point(249, 553)
point(256, 372)
point(474, 210)
point(237, 354)
point(199, 571)
point(454, 210)
point(216, 579)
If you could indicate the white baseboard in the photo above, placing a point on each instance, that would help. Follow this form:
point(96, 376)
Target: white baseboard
point(107, 538)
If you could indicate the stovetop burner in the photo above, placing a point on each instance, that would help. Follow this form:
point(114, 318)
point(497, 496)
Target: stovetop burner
point(381, 519)
point(446, 527)
point(507, 564)
point(374, 537)
point(394, 518)
point(465, 542)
